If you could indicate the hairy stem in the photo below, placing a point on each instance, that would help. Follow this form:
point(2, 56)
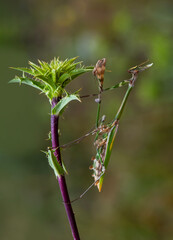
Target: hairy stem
point(61, 179)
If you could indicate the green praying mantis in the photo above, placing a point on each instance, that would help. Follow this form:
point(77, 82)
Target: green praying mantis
point(104, 144)
point(105, 134)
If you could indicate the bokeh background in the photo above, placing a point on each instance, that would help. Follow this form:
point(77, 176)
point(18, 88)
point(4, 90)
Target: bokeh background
point(136, 202)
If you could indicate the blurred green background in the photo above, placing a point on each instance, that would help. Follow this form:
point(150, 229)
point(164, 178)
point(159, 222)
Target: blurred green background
point(136, 202)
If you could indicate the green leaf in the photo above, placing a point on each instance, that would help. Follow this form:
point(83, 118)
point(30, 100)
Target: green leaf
point(46, 80)
point(77, 72)
point(36, 74)
point(71, 60)
point(29, 82)
point(45, 66)
point(67, 77)
point(54, 75)
point(63, 103)
point(58, 169)
point(36, 67)
point(26, 70)
point(64, 77)
point(51, 77)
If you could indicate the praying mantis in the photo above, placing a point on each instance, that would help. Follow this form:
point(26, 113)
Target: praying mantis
point(104, 144)
point(108, 133)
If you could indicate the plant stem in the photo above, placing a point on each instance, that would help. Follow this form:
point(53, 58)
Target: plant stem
point(61, 179)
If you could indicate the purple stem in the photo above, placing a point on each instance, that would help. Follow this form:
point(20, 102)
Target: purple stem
point(61, 179)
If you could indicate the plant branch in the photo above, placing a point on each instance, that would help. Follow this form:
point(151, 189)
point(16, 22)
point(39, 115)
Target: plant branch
point(61, 179)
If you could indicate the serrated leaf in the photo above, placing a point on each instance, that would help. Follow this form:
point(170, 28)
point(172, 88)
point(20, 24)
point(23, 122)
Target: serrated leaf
point(77, 72)
point(45, 66)
point(89, 67)
point(36, 74)
point(54, 76)
point(58, 169)
point(26, 70)
point(69, 63)
point(46, 80)
point(63, 103)
point(29, 82)
point(71, 60)
point(36, 67)
point(72, 66)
